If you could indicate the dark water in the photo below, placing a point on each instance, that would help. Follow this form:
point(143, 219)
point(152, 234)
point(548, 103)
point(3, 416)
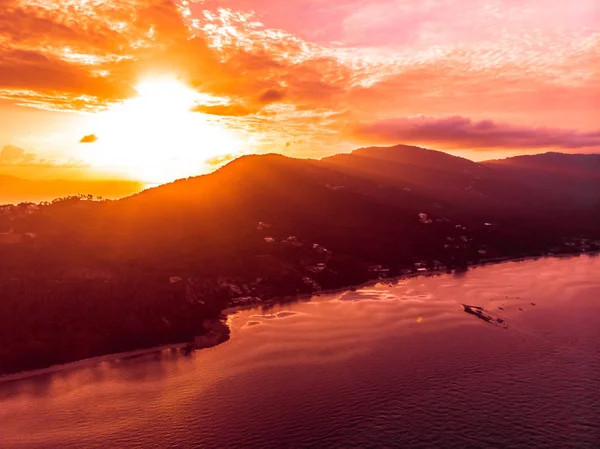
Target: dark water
point(387, 366)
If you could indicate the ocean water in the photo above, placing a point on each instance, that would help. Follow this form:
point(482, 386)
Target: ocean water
point(391, 365)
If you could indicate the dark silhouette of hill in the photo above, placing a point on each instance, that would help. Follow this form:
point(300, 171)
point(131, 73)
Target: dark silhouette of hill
point(553, 162)
point(267, 226)
point(454, 181)
point(561, 180)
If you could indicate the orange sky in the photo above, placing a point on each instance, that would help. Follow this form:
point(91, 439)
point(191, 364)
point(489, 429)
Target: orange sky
point(154, 90)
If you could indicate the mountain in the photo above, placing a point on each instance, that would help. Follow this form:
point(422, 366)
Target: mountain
point(371, 197)
point(458, 183)
point(365, 205)
point(149, 268)
point(553, 162)
point(571, 180)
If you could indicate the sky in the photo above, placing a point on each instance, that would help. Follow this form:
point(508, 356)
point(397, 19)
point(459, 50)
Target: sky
point(155, 90)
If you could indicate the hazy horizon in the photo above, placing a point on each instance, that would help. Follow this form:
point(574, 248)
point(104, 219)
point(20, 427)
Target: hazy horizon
point(45, 187)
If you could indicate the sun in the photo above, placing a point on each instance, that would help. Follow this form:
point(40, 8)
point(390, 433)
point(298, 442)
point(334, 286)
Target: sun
point(155, 138)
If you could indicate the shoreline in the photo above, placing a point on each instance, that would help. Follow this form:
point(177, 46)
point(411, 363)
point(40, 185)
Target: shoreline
point(95, 360)
point(372, 282)
point(90, 361)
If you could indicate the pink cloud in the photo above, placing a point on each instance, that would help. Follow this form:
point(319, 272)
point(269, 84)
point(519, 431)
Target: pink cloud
point(406, 22)
point(464, 133)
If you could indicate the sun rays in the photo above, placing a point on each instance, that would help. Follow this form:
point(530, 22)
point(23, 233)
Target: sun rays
point(154, 137)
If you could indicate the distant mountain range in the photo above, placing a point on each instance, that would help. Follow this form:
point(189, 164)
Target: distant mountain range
point(269, 226)
point(15, 190)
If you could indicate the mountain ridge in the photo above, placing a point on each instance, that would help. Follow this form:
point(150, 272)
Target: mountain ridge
point(81, 277)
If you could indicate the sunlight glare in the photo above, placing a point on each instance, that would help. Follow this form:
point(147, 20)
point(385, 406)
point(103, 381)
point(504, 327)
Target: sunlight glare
point(154, 137)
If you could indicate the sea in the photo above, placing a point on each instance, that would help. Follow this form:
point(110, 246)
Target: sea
point(397, 363)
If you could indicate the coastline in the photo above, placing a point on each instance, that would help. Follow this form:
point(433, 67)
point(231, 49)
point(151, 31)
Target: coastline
point(372, 282)
point(223, 334)
point(217, 333)
point(90, 361)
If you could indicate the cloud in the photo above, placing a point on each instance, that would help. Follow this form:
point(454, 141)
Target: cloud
point(90, 138)
point(463, 133)
point(218, 160)
point(271, 96)
point(97, 51)
point(11, 155)
point(231, 110)
point(317, 70)
point(104, 48)
point(31, 71)
point(329, 88)
point(395, 23)
point(238, 108)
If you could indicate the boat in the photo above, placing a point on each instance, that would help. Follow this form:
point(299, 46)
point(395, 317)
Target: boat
point(479, 313)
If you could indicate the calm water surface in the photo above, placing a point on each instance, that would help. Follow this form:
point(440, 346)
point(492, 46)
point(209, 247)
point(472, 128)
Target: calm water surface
point(387, 366)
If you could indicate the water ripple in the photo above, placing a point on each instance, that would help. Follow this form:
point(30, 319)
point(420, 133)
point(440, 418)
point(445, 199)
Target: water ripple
point(384, 366)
